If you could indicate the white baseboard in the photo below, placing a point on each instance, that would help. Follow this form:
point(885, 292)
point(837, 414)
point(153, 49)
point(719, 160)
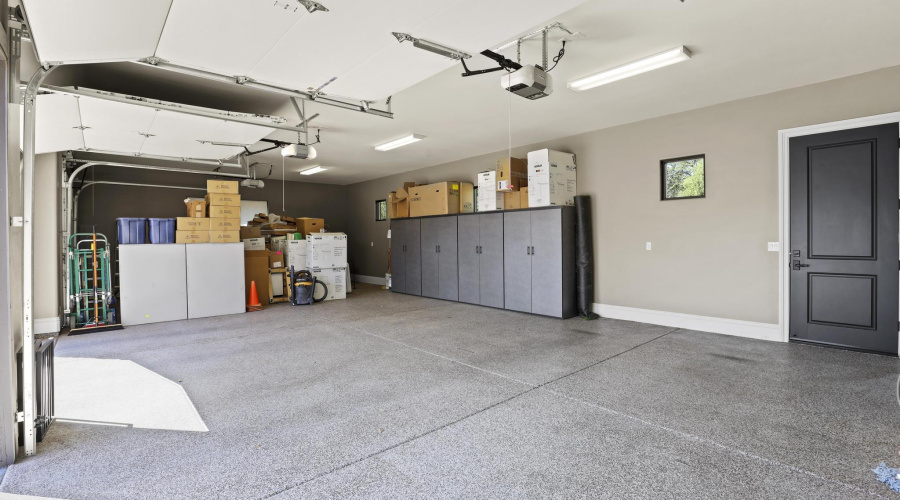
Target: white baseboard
point(373, 280)
point(46, 325)
point(737, 328)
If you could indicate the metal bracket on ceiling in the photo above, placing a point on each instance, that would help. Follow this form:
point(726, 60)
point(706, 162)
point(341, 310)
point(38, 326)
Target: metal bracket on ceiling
point(430, 46)
point(312, 6)
point(240, 80)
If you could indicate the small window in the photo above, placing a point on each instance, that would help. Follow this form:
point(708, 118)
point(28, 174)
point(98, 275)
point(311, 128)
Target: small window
point(380, 210)
point(682, 178)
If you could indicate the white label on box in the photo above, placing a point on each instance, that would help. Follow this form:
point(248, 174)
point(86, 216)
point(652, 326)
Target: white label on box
point(255, 244)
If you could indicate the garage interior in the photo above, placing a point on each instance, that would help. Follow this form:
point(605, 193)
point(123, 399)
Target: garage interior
point(450, 249)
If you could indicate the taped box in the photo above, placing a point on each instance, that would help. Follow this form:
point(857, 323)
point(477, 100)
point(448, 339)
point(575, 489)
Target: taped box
point(552, 178)
point(326, 250)
point(196, 207)
point(192, 224)
point(191, 236)
point(439, 198)
point(222, 187)
point(231, 200)
point(336, 281)
point(296, 254)
point(489, 199)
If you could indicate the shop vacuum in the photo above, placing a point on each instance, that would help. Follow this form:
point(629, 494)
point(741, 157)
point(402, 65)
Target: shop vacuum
point(303, 288)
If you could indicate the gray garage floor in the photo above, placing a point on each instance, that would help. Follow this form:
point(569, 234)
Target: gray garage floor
point(390, 396)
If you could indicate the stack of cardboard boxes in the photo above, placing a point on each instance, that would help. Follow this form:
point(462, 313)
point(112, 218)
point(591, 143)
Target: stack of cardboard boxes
point(214, 219)
point(505, 187)
point(440, 198)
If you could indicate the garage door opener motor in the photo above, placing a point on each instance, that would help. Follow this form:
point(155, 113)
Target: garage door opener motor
point(303, 286)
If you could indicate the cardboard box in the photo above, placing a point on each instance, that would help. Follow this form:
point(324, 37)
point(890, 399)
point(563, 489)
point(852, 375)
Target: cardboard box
point(489, 199)
point(307, 225)
point(218, 236)
point(296, 254)
point(250, 232)
point(466, 197)
point(191, 236)
point(512, 200)
point(398, 204)
point(224, 212)
point(231, 200)
point(255, 244)
point(276, 259)
point(336, 281)
point(552, 178)
point(434, 199)
point(222, 187)
point(196, 207)
point(224, 224)
point(256, 268)
point(192, 224)
point(512, 174)
point(278, 243)
point(326, 250)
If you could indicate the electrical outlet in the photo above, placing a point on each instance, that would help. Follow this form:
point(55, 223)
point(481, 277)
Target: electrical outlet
point(648, 245)
point(774, 246)
point(373, 243)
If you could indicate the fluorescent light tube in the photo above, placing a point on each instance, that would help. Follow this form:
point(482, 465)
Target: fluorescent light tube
point(313, 170)
point(403, 141)
point(644, 65)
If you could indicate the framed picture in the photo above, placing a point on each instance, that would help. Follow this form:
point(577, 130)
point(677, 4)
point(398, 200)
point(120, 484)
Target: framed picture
point(683, 178)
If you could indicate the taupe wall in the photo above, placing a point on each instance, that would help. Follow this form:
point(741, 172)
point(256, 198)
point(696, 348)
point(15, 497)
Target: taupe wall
point(709, 255)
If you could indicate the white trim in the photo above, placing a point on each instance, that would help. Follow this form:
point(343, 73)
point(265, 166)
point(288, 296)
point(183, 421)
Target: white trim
point(46, 325)
point(734, 327)
point(373, 280)
point(784, 199)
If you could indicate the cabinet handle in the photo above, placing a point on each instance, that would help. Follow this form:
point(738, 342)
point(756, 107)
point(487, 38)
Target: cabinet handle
point(528, 250)
point(532, 250)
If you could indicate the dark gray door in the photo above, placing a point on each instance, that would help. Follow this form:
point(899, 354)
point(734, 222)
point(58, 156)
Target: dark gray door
point(413, 257)
point(468, 258)
point(431, 286)
point(448, 271)
point(546, 262)
point(844, 224)
point(398, 256)
point(491, 259)
point(517, 260)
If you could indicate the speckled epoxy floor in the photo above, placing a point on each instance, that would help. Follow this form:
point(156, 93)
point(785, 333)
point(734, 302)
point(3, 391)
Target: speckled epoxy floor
point(390, 396)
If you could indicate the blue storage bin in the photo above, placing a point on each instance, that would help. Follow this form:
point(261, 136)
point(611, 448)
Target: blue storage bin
point(132, 230)
point(162, 230)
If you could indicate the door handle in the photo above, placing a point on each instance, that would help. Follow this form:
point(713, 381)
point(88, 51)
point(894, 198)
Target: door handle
point(797, 265)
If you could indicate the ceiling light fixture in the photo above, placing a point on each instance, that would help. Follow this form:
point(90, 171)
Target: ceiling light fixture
point(436, 48)
point(313, 170)
point(403, 141)
point(644, 65)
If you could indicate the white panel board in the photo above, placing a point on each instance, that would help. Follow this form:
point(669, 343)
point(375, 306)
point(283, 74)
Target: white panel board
point(56, 124)
point(250, 208)
point(215, 279)
point(228, 37)
point(96, 30)
point(152, 283)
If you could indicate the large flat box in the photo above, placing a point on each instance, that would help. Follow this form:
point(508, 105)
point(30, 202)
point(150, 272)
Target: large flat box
point(434, 199)
point(192, 224)
point(296, 254)
point(231, 200)
point(224, 212)
point(152, 283)
point(196, 207)
point(217, 236)
point(336, 281)
point(307, 225)
point(191, 236)
point(255, 244)
point(215, 279)
point(250, 232)
point(489, 199)
point(512, 173)
point(466, 197)
point(222, 187)
point(551, 178)
point(225, 224)
point(326, 250)
point(256, 268)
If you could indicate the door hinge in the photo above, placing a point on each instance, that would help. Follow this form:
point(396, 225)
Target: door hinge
point(20, 417)
point(16, 221)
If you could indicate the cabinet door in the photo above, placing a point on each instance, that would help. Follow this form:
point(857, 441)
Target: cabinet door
point(398, 255)
point(413, 257)
point(517, 260)
point(447, 257)
point(468, 258)
point(491, 262)
point(431, 286)
point(546, 262)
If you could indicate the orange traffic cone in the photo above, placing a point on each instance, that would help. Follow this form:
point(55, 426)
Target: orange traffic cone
point(253, 304)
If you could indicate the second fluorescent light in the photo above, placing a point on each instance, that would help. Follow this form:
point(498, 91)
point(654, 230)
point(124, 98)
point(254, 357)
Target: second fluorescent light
point(314, 170)
point(403, 141)
point(644, 65)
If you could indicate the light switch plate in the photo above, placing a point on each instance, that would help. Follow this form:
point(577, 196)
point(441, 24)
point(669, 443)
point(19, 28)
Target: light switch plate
point(774, 246)
point(648, 245)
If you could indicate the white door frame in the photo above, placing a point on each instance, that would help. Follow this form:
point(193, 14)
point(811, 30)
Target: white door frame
point(784, 201)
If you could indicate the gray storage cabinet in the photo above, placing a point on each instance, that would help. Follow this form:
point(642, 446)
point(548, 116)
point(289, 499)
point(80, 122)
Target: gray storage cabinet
point(215, 279)
point(539, 261)
point(151, 284)
point(440, 275)
point(406, 263)
point(480, 244)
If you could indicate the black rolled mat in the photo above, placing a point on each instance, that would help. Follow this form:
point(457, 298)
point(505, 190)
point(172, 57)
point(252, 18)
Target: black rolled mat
point(584, 258)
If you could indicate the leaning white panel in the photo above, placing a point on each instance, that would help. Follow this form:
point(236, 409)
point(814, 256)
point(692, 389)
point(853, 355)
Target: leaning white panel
point(114, 126)
point(56, 124)
point(228, 37)
point(95, 30)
